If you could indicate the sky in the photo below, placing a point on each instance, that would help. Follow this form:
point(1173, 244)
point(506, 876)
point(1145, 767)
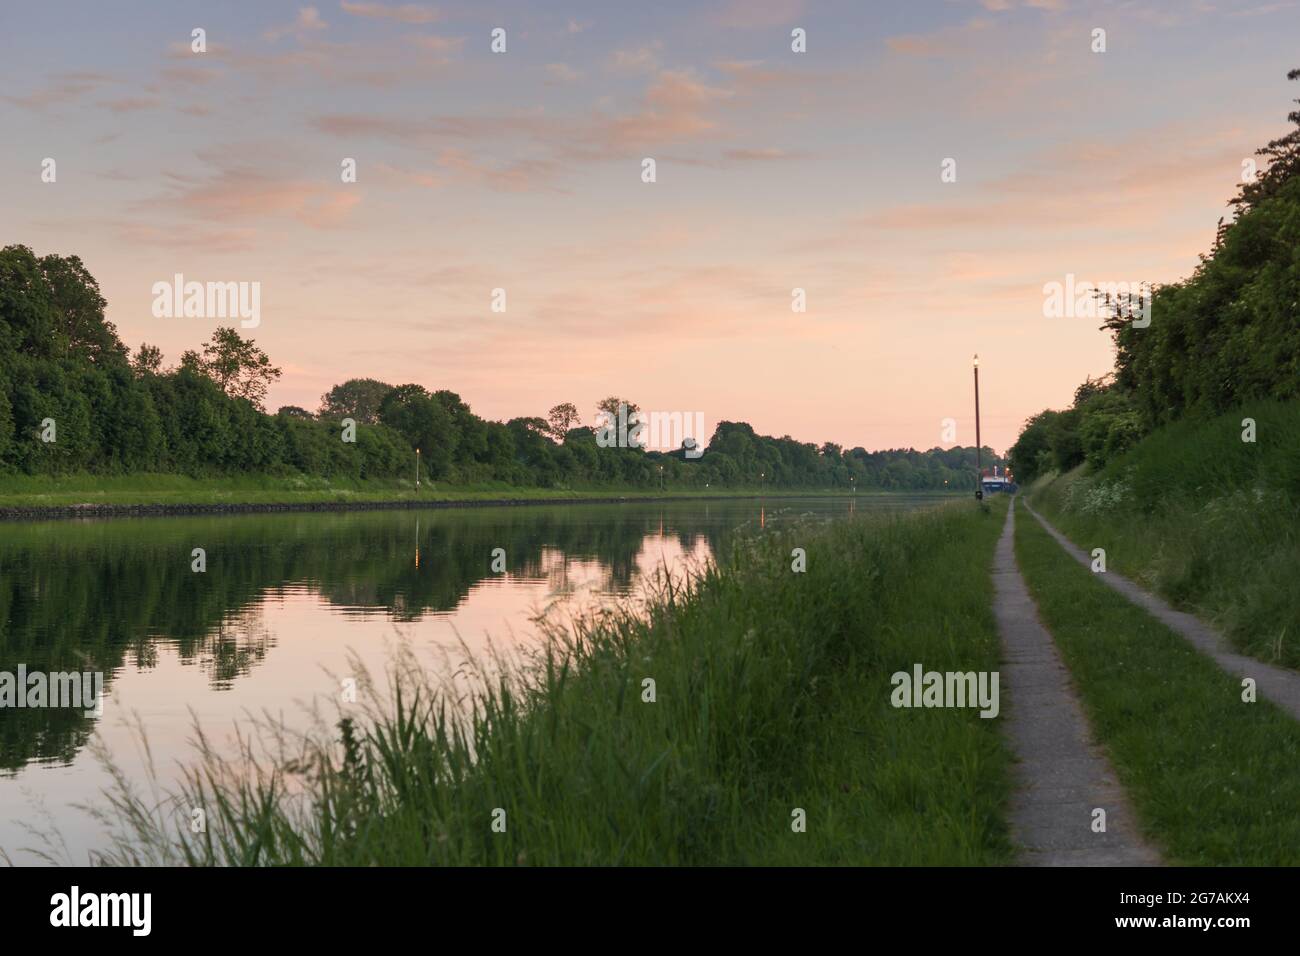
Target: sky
point(522, 170)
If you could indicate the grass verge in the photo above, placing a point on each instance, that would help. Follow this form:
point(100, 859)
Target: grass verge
point(1205, 519)
point(21, 491)
point(1214, 780)
point(771, 695)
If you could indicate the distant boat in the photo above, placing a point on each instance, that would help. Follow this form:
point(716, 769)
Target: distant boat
point(995, 483)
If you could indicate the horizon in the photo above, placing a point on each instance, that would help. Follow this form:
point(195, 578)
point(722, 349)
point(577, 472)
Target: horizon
point(522, 171)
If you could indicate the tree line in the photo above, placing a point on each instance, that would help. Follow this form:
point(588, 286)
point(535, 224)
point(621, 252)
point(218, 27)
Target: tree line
point(1226, 335)
point(73, 399)
point(104, 627)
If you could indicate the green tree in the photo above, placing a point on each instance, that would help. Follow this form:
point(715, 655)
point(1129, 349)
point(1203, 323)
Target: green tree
point(78, 312)
point(6, 425)
point(1033, 449)
point(1282, 163)
point(610, 406)
point(52, 308)
point(26, 315)
point(562, 418)
point(148, 360)
point(237, 365)
point(425, 424)
point(357, 398)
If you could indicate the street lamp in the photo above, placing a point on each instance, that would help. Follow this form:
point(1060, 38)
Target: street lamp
point(979, 471)
point(417, 468)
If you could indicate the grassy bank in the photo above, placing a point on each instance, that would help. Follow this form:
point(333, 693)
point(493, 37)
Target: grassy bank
point(1214, 780)
point(22, 491)
point(771, 694)
point(1209, 521)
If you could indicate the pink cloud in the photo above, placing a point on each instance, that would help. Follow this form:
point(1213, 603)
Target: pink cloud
point(238, 193)
point(130, 104)
point(62, 88)
point(760, 14)
point(308, 21)
point(946, 42)
point(438, 44)
point(405, 13)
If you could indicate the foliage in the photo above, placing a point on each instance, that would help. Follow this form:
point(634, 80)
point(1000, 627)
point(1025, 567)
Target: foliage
point(1208, 520)
point(759, 708)
point(562, 418)
point(237, 365)
point(357, 398)
point(1227, 335)
point(61, 360)
point(1212, 781)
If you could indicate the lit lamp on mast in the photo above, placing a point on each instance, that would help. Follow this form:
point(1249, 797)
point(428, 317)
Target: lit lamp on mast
point(979, 470)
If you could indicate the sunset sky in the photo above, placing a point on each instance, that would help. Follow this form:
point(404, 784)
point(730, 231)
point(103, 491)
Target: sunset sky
point(522, 170)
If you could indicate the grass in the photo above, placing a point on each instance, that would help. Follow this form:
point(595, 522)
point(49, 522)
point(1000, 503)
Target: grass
point(1208, 521)
point(18, 491)
point(771, 695)
point(1214, 780)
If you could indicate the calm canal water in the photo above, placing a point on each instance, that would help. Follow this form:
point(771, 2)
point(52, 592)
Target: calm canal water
point(288, 603)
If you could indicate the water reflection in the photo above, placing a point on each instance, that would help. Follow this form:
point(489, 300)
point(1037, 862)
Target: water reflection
point(286, 598)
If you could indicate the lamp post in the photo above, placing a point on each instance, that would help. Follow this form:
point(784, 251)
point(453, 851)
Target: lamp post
point(417, 468)
point(979, 471)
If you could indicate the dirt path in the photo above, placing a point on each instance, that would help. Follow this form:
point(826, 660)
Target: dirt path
point(1277, 684)
point(1062, 777)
